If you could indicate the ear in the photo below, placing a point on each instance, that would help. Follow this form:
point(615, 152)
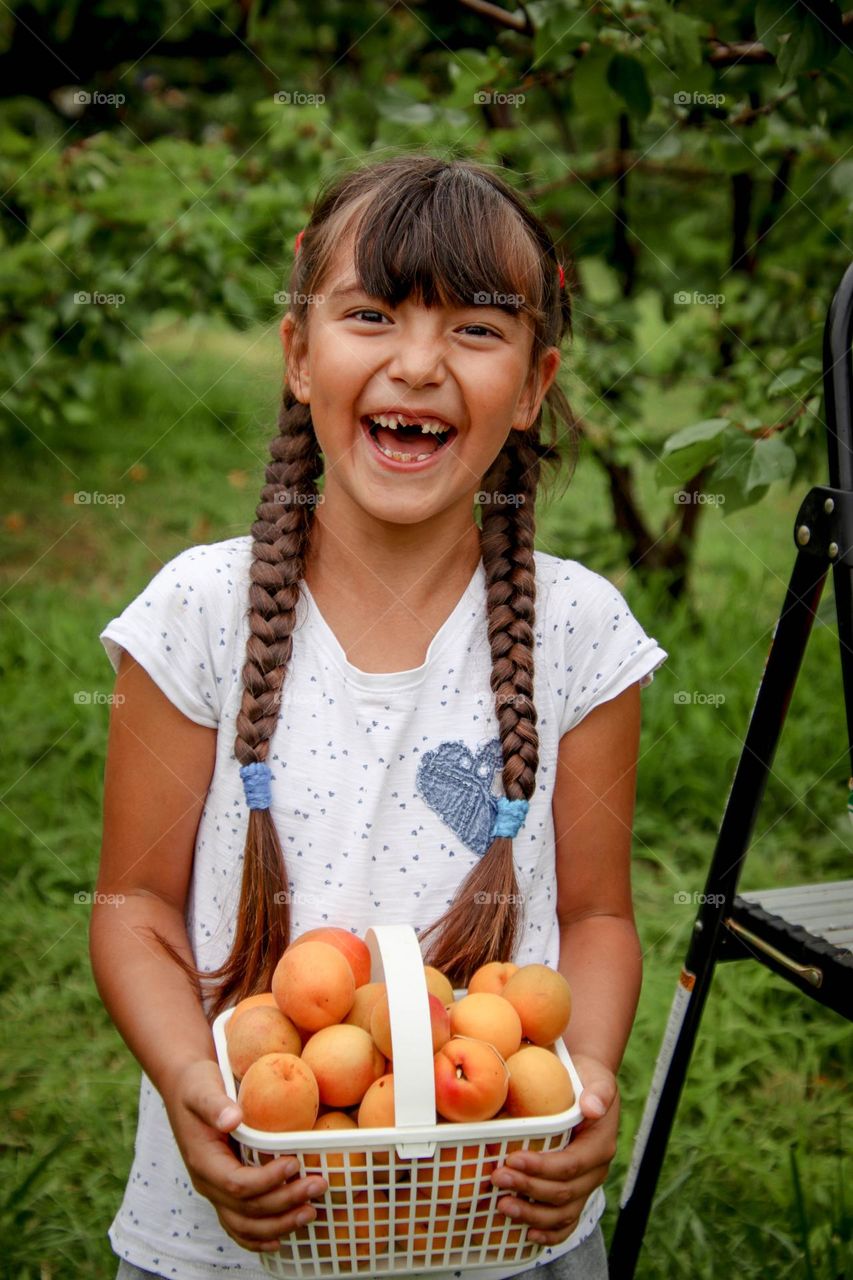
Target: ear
point(295, 359)
point(536, 388)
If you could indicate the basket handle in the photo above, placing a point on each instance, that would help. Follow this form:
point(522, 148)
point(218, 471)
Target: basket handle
point(396, 960)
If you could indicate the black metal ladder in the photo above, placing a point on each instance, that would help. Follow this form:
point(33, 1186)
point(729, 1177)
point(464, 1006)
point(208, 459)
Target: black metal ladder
point(805, 934)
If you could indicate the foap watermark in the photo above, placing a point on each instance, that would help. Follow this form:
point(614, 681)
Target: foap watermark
point(684, 899)
point(82, 898)
point(92, 498)
point(684, 497)
point(296, 98)
point(293, 898)
point(684, 99)
point(498, 299)
point(284, 298)
point(683, 298)
point(288, 498)
point(83, 298)
point(684, 697)
point(83, 98)
point(490, 97)
point(95, 698)
point(485, 898)
point(486, 499)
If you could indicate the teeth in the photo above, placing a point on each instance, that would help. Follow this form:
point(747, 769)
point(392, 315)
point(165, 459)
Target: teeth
point(395, 420)
point(402, 457)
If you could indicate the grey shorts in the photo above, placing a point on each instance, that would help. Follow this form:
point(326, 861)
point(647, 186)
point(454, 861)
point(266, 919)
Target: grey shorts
point(587, 1262)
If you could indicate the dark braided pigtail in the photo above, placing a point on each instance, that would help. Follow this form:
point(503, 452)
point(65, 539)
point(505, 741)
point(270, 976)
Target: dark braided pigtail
point(281, 535)
point(482, 922)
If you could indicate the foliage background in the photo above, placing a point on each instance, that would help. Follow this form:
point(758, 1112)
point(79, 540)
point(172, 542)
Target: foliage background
point(693, 164)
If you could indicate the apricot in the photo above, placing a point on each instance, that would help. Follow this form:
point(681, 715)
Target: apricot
point(486, 1016)
point(279, 1094)
point(456, 1168)
point(491, 978)
point(365, 999)
point(313, 985)
point(252, 1002)
point(344, 1169)
point(471, 1080)
point(539, 1084)
point(355, 949)
point(377, 1105)
point(543, 1001)
point(439, 985)
point(259, 1030)
point(380, 1024)
point(363, 1226)
point(414, 1220)
point(345, 1062)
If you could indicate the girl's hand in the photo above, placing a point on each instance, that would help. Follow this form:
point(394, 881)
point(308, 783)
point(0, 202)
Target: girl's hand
point(255, 1205)
point(561, 1181)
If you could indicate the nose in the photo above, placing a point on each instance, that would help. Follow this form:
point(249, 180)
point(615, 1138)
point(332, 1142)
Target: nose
point(419, 357)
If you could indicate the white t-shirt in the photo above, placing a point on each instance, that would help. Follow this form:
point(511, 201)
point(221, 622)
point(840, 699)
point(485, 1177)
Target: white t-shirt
point(384, 790)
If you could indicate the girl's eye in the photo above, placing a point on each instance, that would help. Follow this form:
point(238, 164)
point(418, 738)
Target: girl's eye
point(365, 312)
point(490, 333)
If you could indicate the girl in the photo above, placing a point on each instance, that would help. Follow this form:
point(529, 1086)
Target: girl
point(387, 712)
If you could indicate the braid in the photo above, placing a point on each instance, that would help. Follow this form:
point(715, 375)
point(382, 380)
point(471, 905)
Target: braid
point(281, 535)
point(468, 935)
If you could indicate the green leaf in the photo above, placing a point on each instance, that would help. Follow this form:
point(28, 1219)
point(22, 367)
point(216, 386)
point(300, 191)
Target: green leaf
point(682, 38)
point(771, 460)
point(814, 38)
point(627, 76)
point(689, 450)
point(729, 479)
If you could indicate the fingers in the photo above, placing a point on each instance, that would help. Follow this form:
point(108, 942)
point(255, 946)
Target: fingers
point(264, 1235)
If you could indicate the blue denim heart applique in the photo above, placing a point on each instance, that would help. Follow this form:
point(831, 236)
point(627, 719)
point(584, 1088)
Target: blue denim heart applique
point(457, 786)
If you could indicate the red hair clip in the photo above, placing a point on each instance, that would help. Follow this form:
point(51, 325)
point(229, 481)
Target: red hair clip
point(298, 241)
point(562, 276)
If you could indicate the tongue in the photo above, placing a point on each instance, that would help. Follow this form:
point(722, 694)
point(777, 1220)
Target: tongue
point(407, 440)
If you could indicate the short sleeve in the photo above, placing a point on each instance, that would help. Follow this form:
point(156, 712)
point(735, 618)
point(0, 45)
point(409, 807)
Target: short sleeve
point(605, 648)
point(171, 629)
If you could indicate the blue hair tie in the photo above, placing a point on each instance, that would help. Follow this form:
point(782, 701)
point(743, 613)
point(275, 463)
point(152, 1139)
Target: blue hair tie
point(256, 784)
point(510, 817)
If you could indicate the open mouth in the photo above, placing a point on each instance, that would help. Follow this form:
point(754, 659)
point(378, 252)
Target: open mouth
point(408, 444)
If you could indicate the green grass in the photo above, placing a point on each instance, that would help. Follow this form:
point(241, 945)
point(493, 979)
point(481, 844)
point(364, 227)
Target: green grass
point(754, 1174)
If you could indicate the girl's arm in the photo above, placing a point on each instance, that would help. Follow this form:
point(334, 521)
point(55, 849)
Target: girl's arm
point(600, 957)
point(158, 771)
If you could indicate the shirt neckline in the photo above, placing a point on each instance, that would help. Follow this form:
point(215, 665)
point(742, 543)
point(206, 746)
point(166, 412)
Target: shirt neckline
point(392, 679)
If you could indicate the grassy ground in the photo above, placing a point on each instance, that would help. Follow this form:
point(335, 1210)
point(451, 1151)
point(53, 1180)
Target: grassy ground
point(765, 1094)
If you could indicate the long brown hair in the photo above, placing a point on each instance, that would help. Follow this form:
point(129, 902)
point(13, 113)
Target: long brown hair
point(445, 231)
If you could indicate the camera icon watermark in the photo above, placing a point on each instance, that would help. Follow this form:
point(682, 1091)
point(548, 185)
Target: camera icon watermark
point(684, 899)
point(284, 298)
point(683, 99)
point(486, 96)
point(82, 898)
point(83, 298)
point(92, 498)
point(293, 898)
point(286, 497)
point(95, 698)
point(499, 299)
point(684, 697)
point(683, 497)
point(296, 98)
point(498, 499)
point(83, 98)
point(695, 299)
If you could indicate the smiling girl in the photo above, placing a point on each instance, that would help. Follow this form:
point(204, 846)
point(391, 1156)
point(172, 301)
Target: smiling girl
point(376, 709)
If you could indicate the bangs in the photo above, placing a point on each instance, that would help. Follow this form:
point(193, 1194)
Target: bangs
point(454, 240)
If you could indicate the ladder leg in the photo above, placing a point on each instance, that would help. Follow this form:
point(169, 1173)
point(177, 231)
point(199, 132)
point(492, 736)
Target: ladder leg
point(765, 727)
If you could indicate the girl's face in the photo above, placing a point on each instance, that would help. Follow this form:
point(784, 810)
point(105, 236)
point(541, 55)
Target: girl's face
point(469, 366)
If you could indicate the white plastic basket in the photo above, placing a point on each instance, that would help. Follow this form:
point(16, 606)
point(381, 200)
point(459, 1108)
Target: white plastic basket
point(365, 1224)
